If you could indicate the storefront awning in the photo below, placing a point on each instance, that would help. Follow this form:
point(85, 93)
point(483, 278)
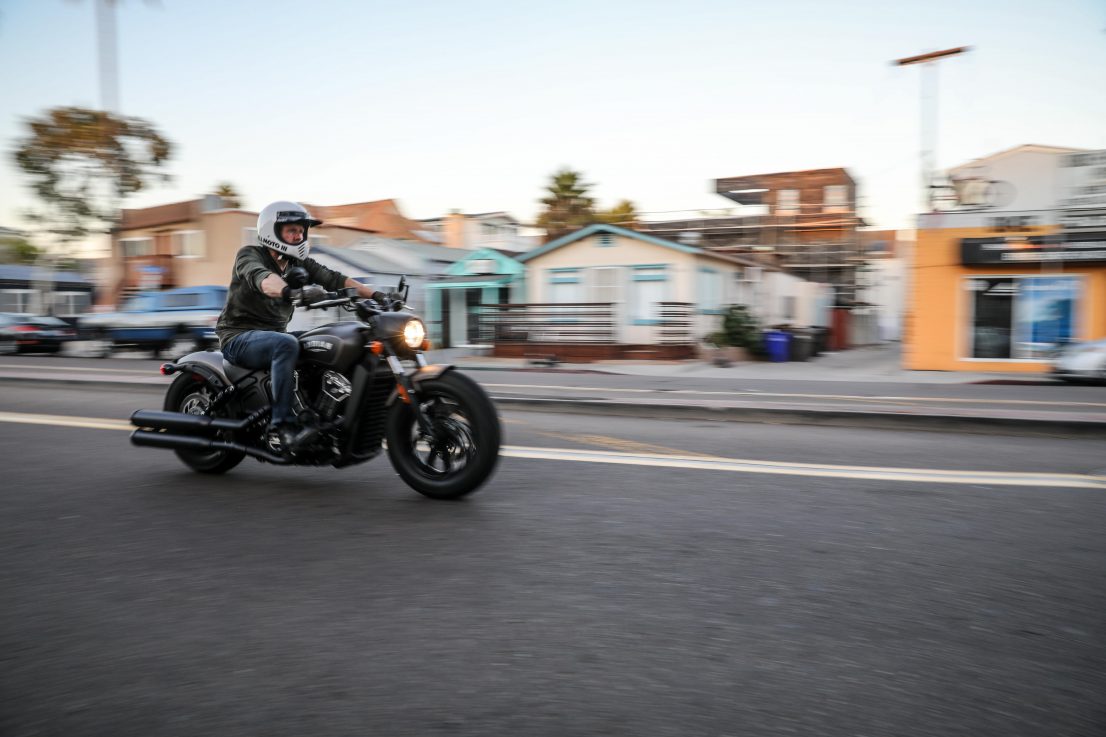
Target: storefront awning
point(471, 282)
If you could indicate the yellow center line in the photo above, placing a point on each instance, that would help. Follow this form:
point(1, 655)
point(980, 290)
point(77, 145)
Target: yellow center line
point(97, 370)
point(696, 462)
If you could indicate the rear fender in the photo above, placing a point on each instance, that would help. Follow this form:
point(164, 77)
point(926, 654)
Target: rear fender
point(208, 364)
point(425, 373)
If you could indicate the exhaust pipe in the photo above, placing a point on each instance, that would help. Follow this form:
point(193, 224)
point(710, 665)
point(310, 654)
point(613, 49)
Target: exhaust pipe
point(180, 422)
point(153, 439)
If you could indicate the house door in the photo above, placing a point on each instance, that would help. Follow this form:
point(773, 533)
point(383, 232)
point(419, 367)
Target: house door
point(605, 284)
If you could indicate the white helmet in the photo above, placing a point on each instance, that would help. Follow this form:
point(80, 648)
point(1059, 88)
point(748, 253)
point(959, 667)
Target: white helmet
point(283, 213)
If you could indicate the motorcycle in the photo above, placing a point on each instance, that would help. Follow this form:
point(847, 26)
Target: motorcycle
point(439, 427)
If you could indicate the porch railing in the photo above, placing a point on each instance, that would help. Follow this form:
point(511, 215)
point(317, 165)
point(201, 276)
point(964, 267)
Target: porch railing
point(584, 322)
point(677, 323)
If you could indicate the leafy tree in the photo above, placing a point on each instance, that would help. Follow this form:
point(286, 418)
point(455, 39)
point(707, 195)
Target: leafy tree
point(567, 206)
point(81, 162)
point(229, 194)
point(624, 214)
point(18, 251)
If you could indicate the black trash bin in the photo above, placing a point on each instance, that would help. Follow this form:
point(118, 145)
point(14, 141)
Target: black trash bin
point(802, 345)
point(819, 339)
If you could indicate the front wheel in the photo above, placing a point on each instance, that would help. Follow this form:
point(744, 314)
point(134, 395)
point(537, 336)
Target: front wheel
point(460, 453)
point(194, 398)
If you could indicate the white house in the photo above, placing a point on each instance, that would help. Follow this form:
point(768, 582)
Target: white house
point(654, 283)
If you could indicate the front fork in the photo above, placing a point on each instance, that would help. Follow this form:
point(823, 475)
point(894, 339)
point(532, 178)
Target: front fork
point(407, 391)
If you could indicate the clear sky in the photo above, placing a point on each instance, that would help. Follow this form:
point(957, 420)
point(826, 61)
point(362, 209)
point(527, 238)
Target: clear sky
point(472, 105)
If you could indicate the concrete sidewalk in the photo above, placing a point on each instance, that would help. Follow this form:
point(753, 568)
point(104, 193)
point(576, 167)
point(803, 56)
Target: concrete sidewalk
point(881, 363)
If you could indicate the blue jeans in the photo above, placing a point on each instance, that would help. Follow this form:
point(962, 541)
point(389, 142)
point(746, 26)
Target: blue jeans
point(265, 349)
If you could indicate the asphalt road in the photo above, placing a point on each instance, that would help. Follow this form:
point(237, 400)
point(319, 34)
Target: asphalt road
point(567, 597)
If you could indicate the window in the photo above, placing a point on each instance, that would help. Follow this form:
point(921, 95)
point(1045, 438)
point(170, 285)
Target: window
point(481, 266)
point(17, 300)
point(648, 287)
point(71, 303)
point(787, 308)
point(317, 240)
point(605, 284)
point(135, 247)
point(605, 239)
point(787, 201)
point(188, 244)
point(180, 300)
point(565, 286)
point(710, 291)
point(1021, 318)
point(835, 198)
point(249, 236)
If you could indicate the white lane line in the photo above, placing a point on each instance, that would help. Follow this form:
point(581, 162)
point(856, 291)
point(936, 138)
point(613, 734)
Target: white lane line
point(704, 392)
point(696, 463)
point(738, 465)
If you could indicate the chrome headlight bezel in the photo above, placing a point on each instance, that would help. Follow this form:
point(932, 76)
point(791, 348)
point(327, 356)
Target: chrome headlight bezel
point(413, 334)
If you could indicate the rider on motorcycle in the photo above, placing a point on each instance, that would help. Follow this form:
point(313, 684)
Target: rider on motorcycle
point(252, 326)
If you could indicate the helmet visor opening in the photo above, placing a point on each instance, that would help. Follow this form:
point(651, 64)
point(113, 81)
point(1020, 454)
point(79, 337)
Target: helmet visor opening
point(278, 230)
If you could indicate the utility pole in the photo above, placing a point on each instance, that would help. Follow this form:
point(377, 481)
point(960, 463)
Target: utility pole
point(109, 72)
point(929, 114)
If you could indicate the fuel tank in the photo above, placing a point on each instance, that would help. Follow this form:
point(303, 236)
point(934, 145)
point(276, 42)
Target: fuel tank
point(337, 346)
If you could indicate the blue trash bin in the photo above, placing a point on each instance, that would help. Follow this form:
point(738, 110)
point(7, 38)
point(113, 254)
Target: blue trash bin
point(777, 344)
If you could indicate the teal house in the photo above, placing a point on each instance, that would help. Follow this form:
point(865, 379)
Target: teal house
point(486, 276)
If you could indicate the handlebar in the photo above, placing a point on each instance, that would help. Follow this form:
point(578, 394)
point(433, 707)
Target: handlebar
point(349, 297)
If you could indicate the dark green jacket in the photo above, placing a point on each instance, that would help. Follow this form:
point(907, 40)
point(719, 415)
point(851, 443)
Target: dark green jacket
point(247, 306)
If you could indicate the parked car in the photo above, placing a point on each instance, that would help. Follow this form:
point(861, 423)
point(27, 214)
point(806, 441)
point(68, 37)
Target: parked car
point(21, 333)
point(158, 321)
point(1081, 361)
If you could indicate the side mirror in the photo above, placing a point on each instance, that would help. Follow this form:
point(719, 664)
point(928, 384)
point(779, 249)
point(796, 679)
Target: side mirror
point(403, 287)
point(296, 277)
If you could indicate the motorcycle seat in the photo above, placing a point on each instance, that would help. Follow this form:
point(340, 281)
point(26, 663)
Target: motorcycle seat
point(234, 372)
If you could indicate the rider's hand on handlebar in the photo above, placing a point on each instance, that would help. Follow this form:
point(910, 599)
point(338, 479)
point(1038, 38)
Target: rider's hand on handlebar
point(309, 294)
point(386, 297)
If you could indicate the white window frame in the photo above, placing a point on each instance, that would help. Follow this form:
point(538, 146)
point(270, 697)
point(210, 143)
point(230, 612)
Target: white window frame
point(249, 236)
point(315, 239)
point(835, 198)
point(181, 239)
point(128, 244)
point(967, 341)
point(26, 300)
point(481, 266)
point(787, 208)
point(68, 301)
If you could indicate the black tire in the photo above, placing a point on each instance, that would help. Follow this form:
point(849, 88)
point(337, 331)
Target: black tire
point(192, 397)
point(470, 437)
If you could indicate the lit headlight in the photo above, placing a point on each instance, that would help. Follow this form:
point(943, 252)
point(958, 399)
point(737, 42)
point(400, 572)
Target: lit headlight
point(414, 333)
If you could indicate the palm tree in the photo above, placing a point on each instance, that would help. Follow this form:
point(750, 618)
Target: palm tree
point(567, 206)
point(229, 194)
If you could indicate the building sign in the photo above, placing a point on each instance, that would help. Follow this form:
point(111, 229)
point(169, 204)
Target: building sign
point(1083, 180)
point(1059, 248)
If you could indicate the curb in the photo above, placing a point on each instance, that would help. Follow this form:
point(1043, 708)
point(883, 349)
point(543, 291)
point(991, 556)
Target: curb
point(933, 422)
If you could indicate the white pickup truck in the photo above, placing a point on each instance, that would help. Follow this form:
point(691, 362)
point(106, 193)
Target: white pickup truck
point(157, 321)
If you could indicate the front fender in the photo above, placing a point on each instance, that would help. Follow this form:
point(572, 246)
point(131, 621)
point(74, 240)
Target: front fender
point(433, 371)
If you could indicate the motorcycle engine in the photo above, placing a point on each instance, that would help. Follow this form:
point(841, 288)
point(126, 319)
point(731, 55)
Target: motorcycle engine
point(333, 392)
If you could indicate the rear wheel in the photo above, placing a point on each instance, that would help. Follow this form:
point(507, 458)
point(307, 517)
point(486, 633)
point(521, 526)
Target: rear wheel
point(194, 398)
point(460, 452)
